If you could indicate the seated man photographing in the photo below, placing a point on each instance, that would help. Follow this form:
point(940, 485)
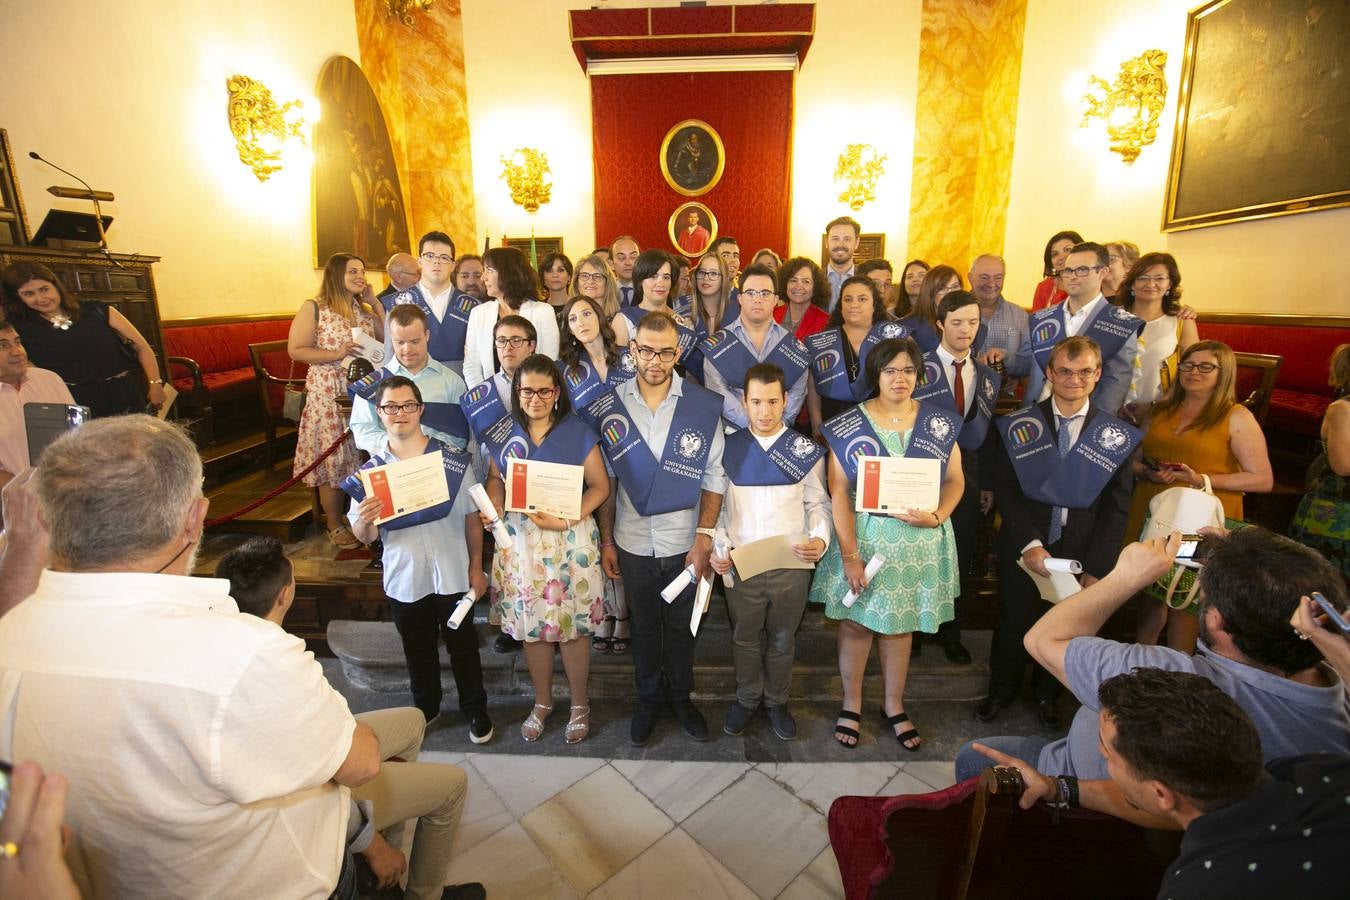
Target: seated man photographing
point(262, 583)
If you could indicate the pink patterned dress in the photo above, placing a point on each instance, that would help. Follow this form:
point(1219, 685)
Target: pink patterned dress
point(321, 423)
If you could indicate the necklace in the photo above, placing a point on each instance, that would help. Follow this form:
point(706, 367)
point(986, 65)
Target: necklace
point(61, 321)
point(895, 420)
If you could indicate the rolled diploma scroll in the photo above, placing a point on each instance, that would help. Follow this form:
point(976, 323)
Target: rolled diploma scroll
point(1072, 566)
point(701, 597)
point(722, 547)
point(480, 500)
point(462, 609)
point(676, 587)
point(873, 567)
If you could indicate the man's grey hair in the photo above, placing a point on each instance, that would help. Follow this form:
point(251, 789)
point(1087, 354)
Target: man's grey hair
point(116, 490)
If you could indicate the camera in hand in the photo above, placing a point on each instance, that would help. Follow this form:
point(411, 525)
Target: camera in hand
point(1193, 548)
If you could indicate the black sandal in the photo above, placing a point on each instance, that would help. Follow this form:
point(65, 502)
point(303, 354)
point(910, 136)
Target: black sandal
point(845, 731)
point(907, 735)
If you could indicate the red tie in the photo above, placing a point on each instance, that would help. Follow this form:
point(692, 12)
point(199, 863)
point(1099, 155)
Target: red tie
point(958, 386)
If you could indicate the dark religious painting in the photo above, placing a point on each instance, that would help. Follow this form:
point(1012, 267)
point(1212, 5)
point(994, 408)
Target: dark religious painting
point(1263, 117)
point(358, 202)
point(13, 219)
point(692, 228)
point(692, 157)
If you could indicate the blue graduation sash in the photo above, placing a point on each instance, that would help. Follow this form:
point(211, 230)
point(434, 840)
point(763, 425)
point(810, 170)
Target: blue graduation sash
point(732, 358)
point(445, 342)
point(828, 369)
point(567, 442)
point(850, 435)
point(685, 340)
point(675, 480)
point(445, 417)
point(583, 382)
point(934, 387)
point(456, 463)
point(1111, 327)
point(787, 461)
point(483, 407)
point(1074, 482)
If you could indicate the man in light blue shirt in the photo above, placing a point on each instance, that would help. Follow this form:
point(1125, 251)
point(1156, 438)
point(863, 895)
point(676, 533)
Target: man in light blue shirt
point(841, 242)
point(1006, 323)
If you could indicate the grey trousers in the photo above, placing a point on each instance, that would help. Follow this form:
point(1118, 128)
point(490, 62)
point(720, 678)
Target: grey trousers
point(765, 612)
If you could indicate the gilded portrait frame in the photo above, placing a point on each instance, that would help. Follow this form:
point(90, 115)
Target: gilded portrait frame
point(708, 220)
point(700, 183)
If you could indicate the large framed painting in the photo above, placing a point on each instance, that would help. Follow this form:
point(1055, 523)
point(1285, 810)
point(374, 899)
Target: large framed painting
point(358, 202)
point(13, 218)
point(693, 228)
point(692, 157)
point(1263, 114)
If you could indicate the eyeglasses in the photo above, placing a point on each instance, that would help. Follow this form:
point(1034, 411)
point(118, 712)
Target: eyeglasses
point(393, 409)
point(1075, 374)
point(758, 295)
point(1078, 271)
point(893, 372)
point(667, 355)
point(438, 257)
point(709, 274)
point(1152, 279)
point(590, 276)
point(512, 342)
point(542, 393)
point(1202, 368)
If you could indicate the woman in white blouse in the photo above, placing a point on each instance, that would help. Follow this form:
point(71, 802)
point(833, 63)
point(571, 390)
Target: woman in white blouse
point(1152, 291)
point(512, 289)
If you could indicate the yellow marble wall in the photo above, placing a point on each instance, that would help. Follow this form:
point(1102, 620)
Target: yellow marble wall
point(965, 119)
point(418, 75)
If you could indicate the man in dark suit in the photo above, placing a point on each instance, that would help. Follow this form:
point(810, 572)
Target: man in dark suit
point(1093, 487)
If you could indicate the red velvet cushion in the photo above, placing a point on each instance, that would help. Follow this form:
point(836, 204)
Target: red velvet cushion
point(1297, 412)
point(1306, 351)
point(220, 348)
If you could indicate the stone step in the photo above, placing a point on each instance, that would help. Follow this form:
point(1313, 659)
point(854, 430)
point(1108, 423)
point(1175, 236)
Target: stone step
point(372, 659)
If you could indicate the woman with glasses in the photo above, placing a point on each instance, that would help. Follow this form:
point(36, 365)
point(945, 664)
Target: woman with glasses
point(1122, 255)
point(1048, 292)
point(1197, 435)
point(1152, 291)
point(916, 586)
point(592, 365)
point(653, 291)
point(512, 290)
point(555, 275)
point(1322, 521)
point(907, 290)
point(595, 279)
point(710, 308)
point(547, 586)
point(839, 352)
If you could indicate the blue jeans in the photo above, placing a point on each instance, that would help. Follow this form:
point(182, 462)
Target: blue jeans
point(971, 762)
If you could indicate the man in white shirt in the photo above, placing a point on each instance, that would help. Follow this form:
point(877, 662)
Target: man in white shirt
point(623, 254)
point(206, 754)
point(776, 486)
point(447, 308)
point(841, 242)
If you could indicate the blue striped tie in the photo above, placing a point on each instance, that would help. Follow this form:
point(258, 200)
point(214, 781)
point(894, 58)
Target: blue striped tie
point(1065, 439)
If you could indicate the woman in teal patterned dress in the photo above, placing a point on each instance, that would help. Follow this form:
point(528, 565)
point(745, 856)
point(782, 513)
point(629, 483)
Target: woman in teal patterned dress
point(1322, 521)
point(916, 588)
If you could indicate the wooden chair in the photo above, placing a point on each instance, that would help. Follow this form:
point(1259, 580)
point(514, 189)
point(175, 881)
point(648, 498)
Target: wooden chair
point(1267, 366)
point(972, 842)
point(269, 356)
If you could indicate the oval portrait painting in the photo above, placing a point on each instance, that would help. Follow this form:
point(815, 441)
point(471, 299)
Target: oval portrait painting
point(692, 157)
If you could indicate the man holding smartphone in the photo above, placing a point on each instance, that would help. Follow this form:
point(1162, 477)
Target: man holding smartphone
point(21, 383)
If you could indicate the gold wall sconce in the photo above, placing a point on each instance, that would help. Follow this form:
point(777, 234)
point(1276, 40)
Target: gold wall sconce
point(527, 176)
point(859, 168)
point(1131, 105)
point(260, 127)
point(403, 9)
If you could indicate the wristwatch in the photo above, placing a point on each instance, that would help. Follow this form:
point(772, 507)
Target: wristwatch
point(158, 381)
point(708, 533)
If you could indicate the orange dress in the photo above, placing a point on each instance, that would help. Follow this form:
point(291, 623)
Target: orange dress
point(1207, 452)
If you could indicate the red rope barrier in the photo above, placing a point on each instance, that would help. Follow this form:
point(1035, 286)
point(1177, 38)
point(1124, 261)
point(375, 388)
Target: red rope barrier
point(285, 486)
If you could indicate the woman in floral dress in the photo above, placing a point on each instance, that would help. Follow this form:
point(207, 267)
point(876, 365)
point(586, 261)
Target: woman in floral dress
point(321, 337)
point(547, 586)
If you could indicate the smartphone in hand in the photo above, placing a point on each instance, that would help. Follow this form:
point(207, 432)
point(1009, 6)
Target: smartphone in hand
point(1333, 616)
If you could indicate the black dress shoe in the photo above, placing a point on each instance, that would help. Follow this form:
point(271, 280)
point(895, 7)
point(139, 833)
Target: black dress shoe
point(956, 652)
point(480, 727)
point(990, 707)
point(690, 719)
point(505, 643)
point(644, 723)
point(1049, 713)
point(782, 723)
point(737, 718)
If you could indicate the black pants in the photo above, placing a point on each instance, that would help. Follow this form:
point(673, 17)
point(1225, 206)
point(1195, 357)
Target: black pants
point(663, 647)
point(965, 523)
point(418, 625)
point(1020, 605)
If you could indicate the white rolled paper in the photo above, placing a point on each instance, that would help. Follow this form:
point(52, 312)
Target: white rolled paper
point(702, 595)
point(873, 567)
point(461, 609)
point(484, 504)
point(1072, 566)
point(722, 548)
point(676, 587)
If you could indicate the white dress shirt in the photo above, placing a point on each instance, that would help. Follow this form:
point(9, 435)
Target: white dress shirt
point(1076, 322)
point(439, 303)
point(480, 359)
point(753, 512)
point(967, 376)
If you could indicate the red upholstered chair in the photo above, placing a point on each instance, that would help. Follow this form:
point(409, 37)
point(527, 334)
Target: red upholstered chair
point(1255, 381)
point(270, 361)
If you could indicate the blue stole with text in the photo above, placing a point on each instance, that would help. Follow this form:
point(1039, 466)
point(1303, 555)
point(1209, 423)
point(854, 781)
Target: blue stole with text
point(1111, 327)
point(788, 460)
point(728, 354)
point(445, 342)
point(447, 418)
point(675, 479)
point(456, 463)
point(850, 435)
point(829, 369)
point(483, 407)
point(934, 387)
point(584, 385)
point(1103, 446)
point(567, 442)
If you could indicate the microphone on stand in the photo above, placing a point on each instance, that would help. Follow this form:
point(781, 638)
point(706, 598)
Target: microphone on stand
point(93, 195)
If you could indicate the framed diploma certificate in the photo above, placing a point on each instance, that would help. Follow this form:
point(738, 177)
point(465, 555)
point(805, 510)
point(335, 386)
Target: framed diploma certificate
point(407, 486)
point(553, 488)
point(891, 484)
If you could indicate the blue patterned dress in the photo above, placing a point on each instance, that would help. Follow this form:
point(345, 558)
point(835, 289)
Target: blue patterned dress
point(916, 588)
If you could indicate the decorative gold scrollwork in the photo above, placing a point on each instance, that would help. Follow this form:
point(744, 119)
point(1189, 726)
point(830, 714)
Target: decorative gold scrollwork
point(1131, 105)
point(259, 125)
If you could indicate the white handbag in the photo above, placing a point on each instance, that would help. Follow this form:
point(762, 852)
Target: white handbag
point(1184, 509)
